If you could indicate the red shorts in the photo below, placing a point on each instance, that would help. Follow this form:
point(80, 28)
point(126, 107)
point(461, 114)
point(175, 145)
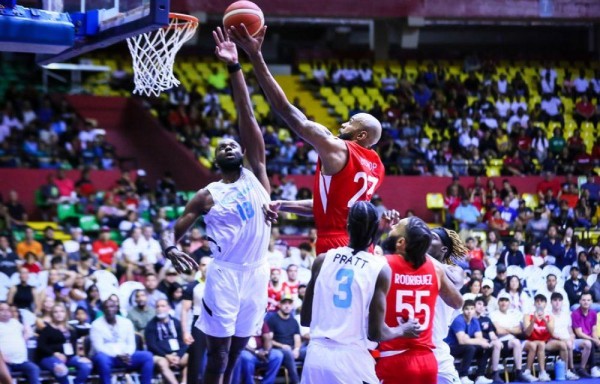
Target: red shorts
point(412, 367)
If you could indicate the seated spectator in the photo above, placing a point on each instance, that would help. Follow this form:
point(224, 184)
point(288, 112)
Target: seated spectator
point(168, 281)
point(8, 259)
point(507, 325)
point(489, 333)
point(551, 246)
point(106, 249)
point(259, 353)
point(22, 295)
point(500, 280)
point(13, 345)
point(575, 287)
point(91, 305)
point(141, 314)
point(508, 213)
point(133, 256)
point(286, 336)
point(48, 197)
point(319, 74)
point(164, 339)
point(563, 331)
point(29, 244)
point(16, 212)
point(585, 110)
point(493, 246)
point(551, 288)
point(552, 109)
point(468, 216)
point(538, 226)
point(472, 289)
point(57, 349)
point(557, 143)
point(581, 84)
point(467, 343)
point(487, 294)
point(113, 345)
point(303, 257)
point(512, 255)
point(538, 327)
point(585, 327)
point(519, 299)
point(152, 291)
point(474, 255)
point(389, 83)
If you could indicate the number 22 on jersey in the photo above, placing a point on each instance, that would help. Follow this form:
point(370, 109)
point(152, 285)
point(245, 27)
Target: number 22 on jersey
point(368, 185)
point(418, 308)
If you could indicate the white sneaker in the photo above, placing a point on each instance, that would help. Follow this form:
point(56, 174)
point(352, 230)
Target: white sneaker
point(466, 380)
point(543, 376)
point(483, 380)
point(571, 375)
point(529, 377)
point(595, 372)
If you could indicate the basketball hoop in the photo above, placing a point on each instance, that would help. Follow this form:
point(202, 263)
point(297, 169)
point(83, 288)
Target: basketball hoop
point(153, 54)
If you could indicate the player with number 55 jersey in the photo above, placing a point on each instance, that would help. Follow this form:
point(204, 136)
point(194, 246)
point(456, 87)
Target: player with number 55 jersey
point(415, 286)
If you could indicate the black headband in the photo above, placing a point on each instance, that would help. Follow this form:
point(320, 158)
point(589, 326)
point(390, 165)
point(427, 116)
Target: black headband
point(446, 240)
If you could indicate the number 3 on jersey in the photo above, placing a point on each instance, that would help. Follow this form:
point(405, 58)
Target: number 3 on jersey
point(418, 307)
point(343, 299)
point(362, 177)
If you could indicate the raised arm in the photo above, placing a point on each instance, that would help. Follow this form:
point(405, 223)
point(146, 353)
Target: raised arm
point(447, 291)
point(250, 134)
point(332, 151)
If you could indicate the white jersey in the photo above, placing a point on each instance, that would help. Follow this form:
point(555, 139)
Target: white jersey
point(342, 296)
point(235, 225)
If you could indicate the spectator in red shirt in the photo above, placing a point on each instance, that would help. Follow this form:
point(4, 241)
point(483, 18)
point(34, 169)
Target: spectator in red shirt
point(549, 182)
point(523, 141)
point(105, 248)
point(475, 255)
point(585, 110)
point(575, 143)
point(513, 165)
point(584, 163)
point(275, 290)
point(66, 186)
point(291, 285)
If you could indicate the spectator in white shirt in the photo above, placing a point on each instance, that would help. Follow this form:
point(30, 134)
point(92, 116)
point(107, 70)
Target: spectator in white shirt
point(520, 119)
point(349, 76)
point(13, 346)
point(551, 71)
point(502, 84)
point(468, 139)
point(319, 74)
point(518, 102)
point(133, 255)
point(552, 109)
point(28, 113)
point(547, 85)
point(595, 84)
point(503, 106)
point(113, 345)
point(88, 135)
point(507, 323)
point(365, 75)
point(581, 83)
point(550, 288)
point(153, 251)
point(489, 120)
point(152, 292)
point(563, 330)
point(389, 83)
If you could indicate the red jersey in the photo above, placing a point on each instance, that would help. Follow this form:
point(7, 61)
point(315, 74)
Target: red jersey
point(290, 288)
point(413, 293)
point(274, 297)
point(540, 329)
point(335, 194)
point(105, 250)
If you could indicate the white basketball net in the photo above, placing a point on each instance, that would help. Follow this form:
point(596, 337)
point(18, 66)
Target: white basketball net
point(153, 55)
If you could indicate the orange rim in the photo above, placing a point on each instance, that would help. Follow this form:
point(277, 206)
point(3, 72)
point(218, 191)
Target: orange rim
point(182, 20)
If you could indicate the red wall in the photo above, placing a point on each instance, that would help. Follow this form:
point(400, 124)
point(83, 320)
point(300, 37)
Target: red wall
point(398, 192)
point(445, 9)
point(408, 192)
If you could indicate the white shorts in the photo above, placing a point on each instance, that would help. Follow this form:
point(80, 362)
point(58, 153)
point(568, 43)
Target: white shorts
point(328, 362)
point(447, 372)
point(235, 299)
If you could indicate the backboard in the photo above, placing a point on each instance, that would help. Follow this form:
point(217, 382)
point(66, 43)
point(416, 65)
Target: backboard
point(100, 23)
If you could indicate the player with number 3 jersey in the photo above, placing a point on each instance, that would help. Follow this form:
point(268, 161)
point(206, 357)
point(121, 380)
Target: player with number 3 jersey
point(415, 286)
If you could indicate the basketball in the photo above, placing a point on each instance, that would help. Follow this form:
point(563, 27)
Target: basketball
point(245, 12)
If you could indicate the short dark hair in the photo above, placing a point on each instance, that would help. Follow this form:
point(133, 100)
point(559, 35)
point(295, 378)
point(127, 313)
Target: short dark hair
point(585, 293)
point(556, 296)
point(480, 298)
point(468, 303)
point(540, 297)
point(305, 247)
point(550, 274)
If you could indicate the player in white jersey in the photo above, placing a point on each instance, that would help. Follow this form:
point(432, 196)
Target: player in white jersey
point(345, 305)
point(235, 295)
point(446, 246)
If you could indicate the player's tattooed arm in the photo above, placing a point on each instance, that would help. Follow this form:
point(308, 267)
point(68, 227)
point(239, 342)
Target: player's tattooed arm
point(306, 311)
point(378, 329)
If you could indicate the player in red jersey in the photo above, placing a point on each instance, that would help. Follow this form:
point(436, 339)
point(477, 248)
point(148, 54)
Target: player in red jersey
point(347, 171)
point(415, 286)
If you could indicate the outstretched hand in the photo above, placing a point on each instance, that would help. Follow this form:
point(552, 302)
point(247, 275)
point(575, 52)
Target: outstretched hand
point(250, 44)
point(225, 49)
point(388, 219)
point(271, 212)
